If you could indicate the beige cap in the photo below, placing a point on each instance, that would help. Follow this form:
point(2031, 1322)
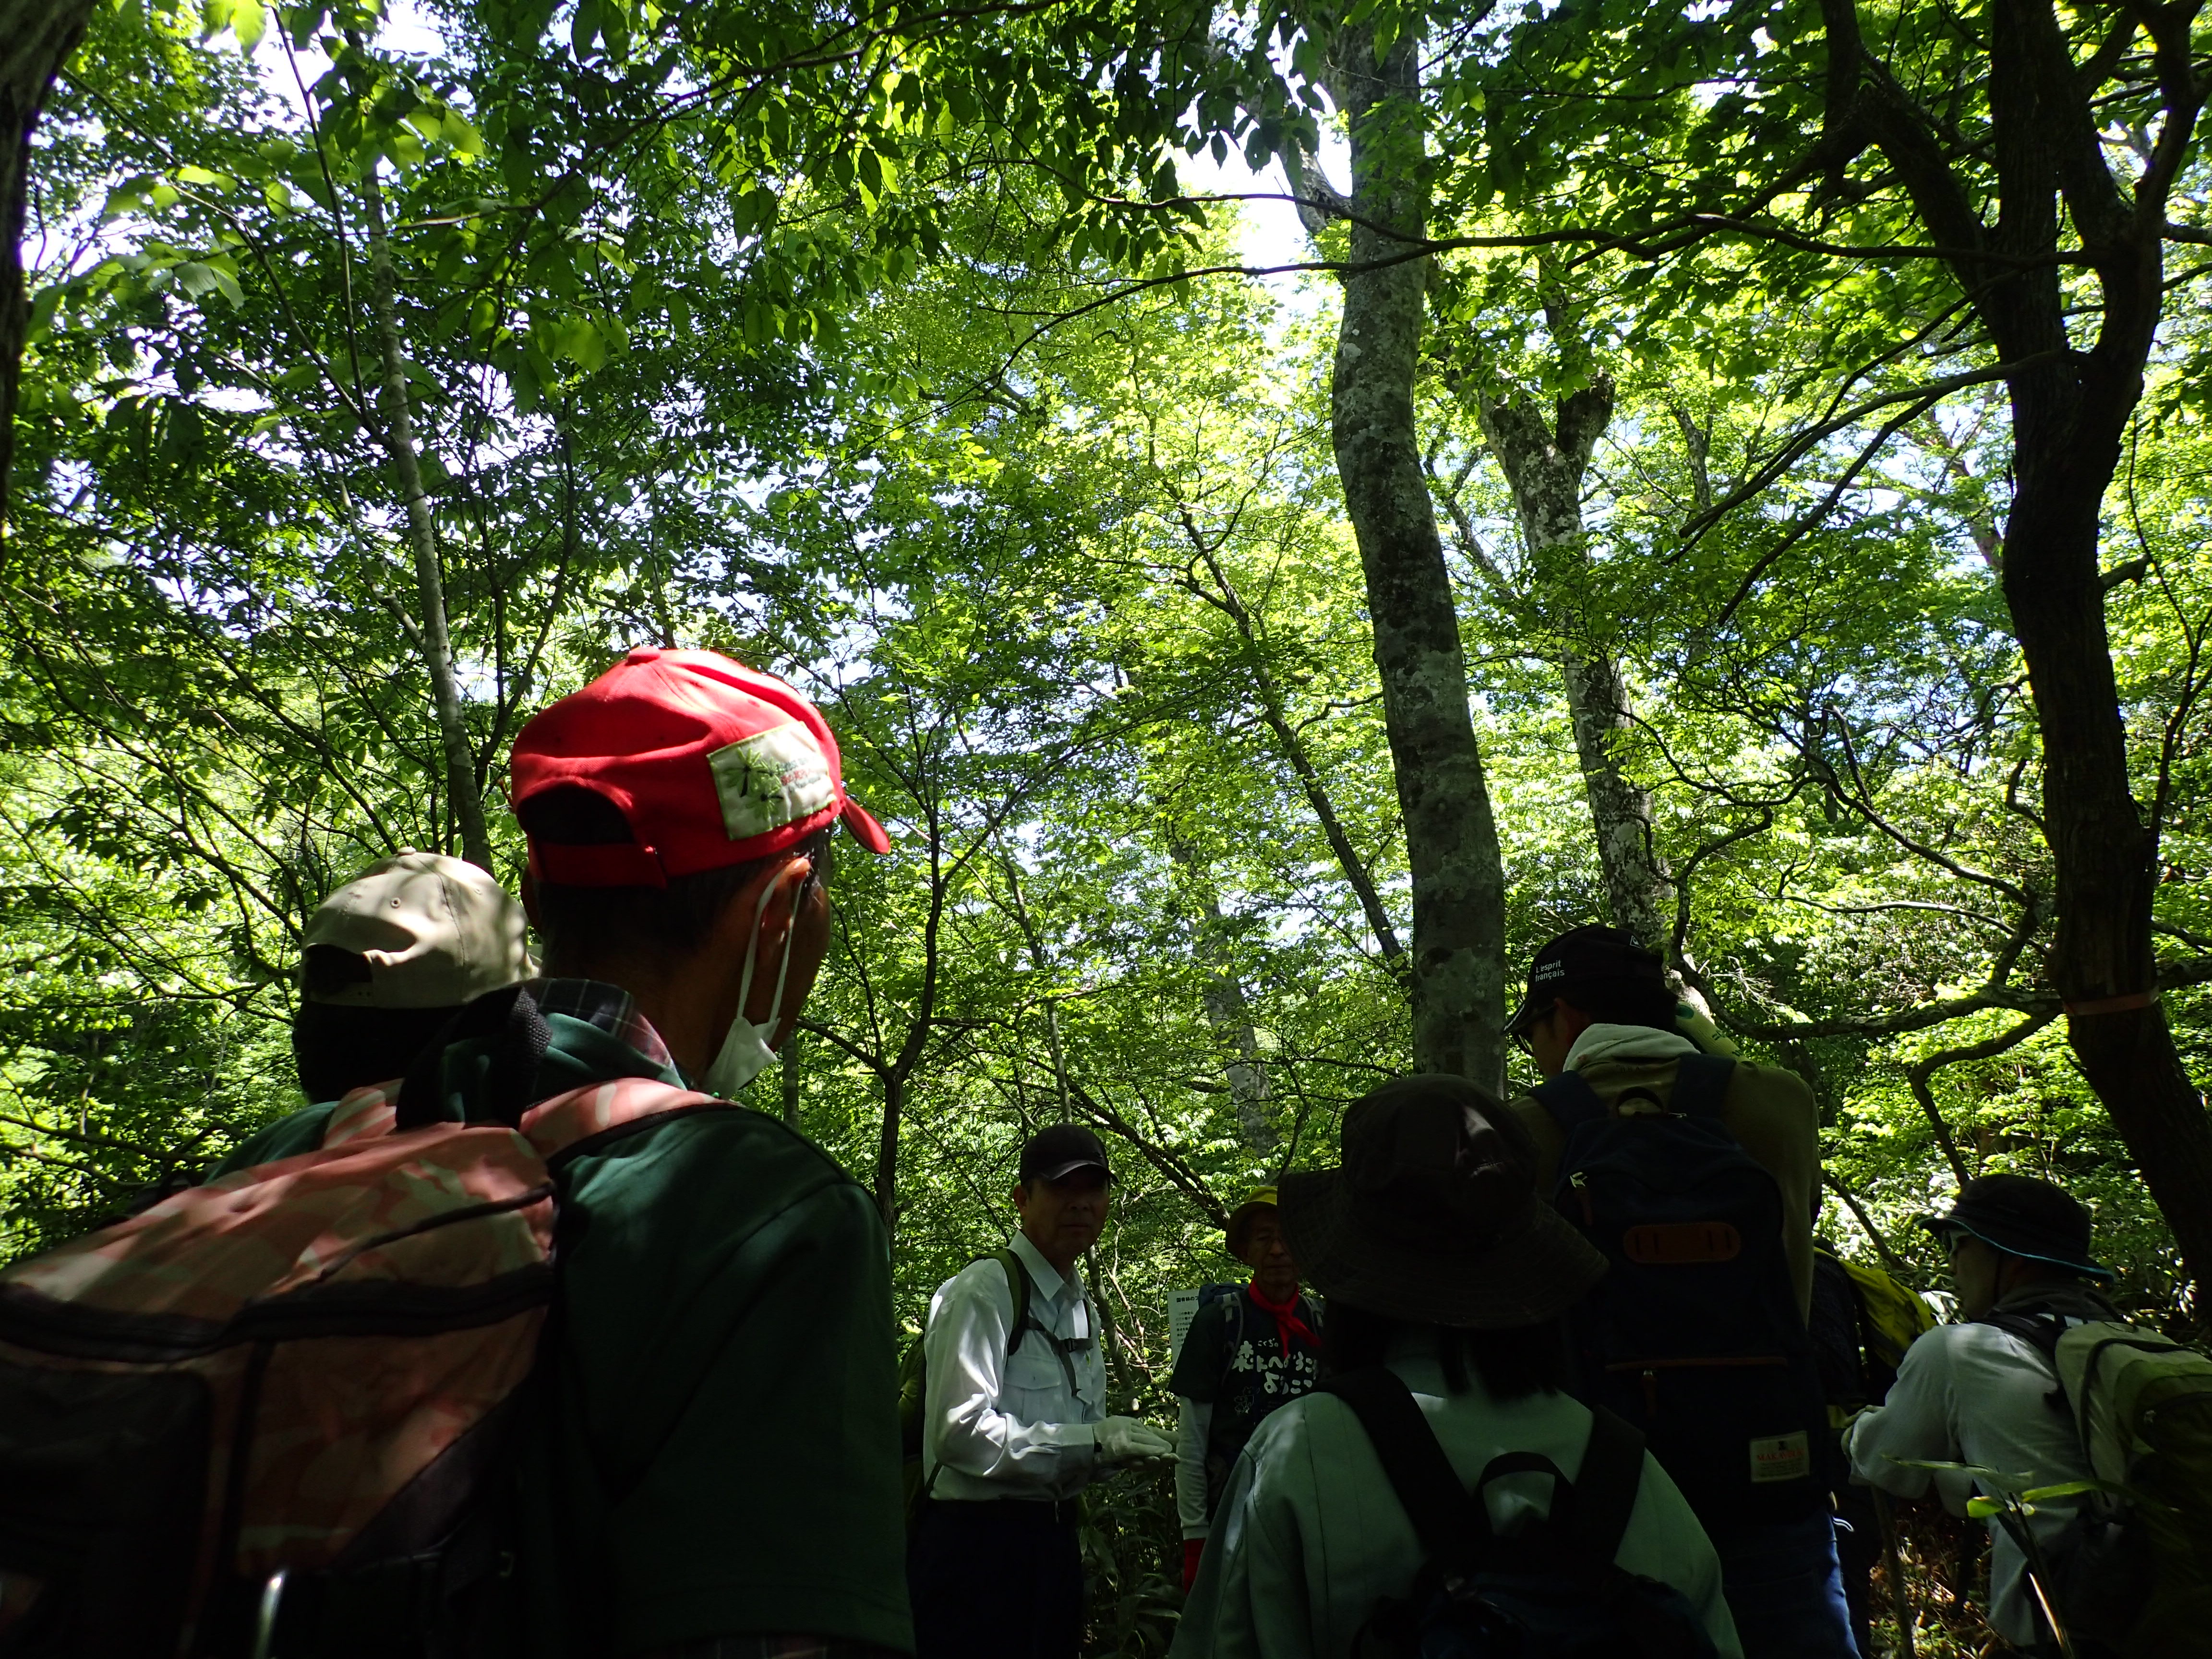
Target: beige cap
point(435, 931)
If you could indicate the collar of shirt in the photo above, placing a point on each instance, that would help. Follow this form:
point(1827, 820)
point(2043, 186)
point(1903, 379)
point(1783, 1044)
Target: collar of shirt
point(1063, 1293)
point(609, 1008)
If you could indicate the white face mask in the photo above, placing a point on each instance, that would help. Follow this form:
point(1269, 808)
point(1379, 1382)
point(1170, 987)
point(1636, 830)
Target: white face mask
point(744, 1054)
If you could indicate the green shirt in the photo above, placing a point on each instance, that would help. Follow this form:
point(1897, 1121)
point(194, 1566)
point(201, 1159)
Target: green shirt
point(723, 1453)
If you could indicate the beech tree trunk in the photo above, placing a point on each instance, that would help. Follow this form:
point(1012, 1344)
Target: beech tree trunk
point(2071, 409)
point(1458, 980)
point(1635, 885)
point(435, 641)
point(1230, 1014)
point(36, 38)
point(1544, 462)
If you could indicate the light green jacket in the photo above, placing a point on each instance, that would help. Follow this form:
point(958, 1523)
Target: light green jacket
point(1308, 1536)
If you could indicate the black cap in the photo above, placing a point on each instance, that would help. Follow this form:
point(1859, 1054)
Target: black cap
point(2023, 1216)
point(1054, 1153)
point(1582, 957)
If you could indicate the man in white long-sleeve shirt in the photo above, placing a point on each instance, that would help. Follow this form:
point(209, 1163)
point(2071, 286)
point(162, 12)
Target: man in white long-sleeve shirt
point(1981, 1393)
point(1015, 1424)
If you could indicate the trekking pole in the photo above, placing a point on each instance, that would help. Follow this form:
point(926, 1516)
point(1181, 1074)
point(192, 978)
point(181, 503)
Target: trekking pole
point(1894, 1560)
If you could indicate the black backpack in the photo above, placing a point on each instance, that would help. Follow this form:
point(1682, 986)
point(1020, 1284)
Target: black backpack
point(1694, 1334)
point(1548, 1591)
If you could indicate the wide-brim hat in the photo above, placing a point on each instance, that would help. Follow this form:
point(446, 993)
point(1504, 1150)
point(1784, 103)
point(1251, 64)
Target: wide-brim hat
point(1262, 1198)
point(1432, 1217)
point(2023, 1216)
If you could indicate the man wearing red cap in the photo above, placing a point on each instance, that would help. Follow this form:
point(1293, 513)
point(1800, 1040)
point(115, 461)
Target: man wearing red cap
point(718, 1472)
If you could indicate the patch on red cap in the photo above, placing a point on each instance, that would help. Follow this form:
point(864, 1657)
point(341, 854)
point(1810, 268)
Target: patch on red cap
point(711, 763)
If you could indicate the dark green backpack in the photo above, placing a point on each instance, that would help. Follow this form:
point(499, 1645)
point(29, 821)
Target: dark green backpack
point(914, 1382)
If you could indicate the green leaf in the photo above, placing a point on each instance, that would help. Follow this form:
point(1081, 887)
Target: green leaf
point(42, 311)
point(579, 340)
point(584, 28)
point(301, 22)
point(2070, 1489)
point(248, 21)
point(459, 137)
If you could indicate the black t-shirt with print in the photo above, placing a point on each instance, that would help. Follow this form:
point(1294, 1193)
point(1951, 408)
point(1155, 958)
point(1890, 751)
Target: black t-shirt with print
point(1233, 1360)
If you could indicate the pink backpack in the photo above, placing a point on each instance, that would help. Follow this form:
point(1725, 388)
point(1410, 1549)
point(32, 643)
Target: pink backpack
point(265, 1410)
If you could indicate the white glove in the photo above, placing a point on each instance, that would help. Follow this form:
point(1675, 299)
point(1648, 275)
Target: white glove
point(1125, 1440)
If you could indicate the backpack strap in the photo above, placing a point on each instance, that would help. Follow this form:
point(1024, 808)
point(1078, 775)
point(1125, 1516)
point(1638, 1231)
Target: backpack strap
point(565, 1126)
point(362, 1114)
point(1605, 1487)
point(1018, 1291)
point(1451, 1526)
point(2040, 1328)
point(510, 1016)
point(1569, 1100)
point(1701, 1084)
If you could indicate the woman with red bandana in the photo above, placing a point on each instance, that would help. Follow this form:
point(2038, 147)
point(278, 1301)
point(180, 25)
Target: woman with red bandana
point(1244, 1356)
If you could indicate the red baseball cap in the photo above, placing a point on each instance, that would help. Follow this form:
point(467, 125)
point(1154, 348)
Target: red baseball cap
point(712, 762)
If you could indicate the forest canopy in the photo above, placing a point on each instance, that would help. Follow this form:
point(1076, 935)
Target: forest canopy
point(1285, 507)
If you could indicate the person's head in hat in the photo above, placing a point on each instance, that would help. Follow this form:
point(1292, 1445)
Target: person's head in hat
point(678, 811)
point(1257, 1239)
point(1431, 1230)
point(388, 958)
point(2011, 1232)
point(1590, 976)
point(1061, 1193)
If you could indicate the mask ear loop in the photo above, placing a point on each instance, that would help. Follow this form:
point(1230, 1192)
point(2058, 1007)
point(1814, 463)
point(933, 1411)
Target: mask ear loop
point(790, 939)
point(752, 950)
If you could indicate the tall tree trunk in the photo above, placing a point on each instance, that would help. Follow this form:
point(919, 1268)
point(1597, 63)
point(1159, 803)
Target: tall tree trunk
point(1228, 1014)
point(2070, 416)
point(1458, 977)
point(792, 1074)
point(36, 38)
point(1544, 462)
point(2070, 410)
point(1636, 884)
point(433, 640)
point(887, 1151)
point(2067, 440)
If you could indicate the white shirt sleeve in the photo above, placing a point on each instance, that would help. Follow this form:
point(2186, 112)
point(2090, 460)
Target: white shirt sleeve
point(969, 1431)
point(1194, 1422)
point(1920, 1421)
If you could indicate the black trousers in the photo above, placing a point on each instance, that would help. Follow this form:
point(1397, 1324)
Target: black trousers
point(1000, 1580)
